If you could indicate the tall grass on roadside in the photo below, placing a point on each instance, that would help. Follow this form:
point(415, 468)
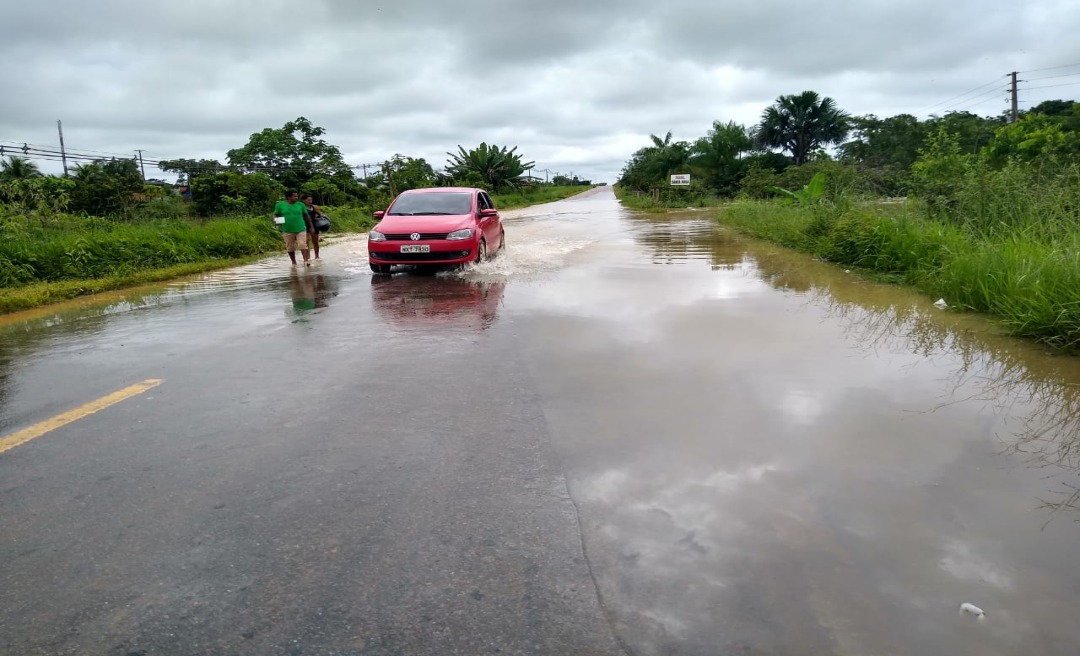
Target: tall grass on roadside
point(124, 249)
point(25, 297)
point(1028, 276)
point(1032, 284)
point(348, 218)
point(670, 198)
point(1043, 201)
point(534, 195)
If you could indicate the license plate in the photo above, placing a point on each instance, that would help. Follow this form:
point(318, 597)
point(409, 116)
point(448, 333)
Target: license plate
point(422, 248)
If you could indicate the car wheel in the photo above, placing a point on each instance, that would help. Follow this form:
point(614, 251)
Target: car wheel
point(502, 241)
point(381, 269)
point(481, 252)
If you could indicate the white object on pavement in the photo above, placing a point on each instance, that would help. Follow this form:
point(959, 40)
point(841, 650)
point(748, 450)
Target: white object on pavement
point(973, 609)
point(941, 304)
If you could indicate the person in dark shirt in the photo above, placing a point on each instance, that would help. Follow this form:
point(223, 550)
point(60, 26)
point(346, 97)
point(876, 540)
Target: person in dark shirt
point(313, 213)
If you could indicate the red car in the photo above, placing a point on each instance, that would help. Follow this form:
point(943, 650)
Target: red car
point(442, 225)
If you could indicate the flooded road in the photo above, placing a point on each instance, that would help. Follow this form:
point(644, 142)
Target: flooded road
point(628, 434)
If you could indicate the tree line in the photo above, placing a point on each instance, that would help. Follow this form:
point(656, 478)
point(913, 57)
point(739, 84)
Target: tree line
point(294, 156)
point(881, 156)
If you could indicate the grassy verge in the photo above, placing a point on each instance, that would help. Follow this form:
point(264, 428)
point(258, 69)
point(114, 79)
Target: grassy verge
point(14, 299)
point(673, 198)
point(535, 195)
point(1029, 279)
point(79, 256)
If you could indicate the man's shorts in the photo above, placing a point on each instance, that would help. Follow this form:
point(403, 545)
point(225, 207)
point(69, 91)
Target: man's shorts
point(295, 239)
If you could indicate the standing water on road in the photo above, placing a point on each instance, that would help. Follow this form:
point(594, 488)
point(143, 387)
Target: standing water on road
point(628, 433)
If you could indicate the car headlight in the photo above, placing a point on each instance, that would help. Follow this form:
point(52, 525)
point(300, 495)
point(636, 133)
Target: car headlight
point(464, 233)
point(375, 235)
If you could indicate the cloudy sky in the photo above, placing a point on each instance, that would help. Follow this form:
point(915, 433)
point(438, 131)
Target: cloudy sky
point(578, 86)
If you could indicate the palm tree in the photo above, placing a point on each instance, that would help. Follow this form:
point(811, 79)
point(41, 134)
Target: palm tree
point(497, 167)
point(666, 156)
point(18, 168)
point(800, 124)
point(717, 155)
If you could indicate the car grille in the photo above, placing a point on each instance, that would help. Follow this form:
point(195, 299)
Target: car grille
point(423, 236)
point(420, 257)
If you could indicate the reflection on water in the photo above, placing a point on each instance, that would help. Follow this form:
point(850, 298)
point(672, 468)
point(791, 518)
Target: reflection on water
point(310, 290)
point(676, 241)
point(1035, 392)
point(417, 301)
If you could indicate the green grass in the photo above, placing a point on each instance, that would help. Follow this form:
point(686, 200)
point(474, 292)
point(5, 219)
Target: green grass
point(671, 198)
point(125, 249)
point(1030, 279)
point(534, 196)
point(71, 255)
point(14, 299)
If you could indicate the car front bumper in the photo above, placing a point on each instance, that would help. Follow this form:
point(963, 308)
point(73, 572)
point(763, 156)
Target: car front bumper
point(442, 252)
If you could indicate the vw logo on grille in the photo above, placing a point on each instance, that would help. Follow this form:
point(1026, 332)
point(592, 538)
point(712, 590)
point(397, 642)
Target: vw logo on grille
point(415, 236)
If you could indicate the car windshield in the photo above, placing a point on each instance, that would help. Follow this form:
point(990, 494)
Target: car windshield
point(432, 203)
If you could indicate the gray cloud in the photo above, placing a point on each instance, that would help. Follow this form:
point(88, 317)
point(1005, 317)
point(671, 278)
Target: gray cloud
point(577, 86)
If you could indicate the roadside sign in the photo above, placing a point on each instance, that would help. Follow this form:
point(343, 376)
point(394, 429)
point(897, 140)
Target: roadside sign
point(680, 179)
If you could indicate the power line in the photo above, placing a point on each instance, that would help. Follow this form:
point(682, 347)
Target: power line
point(1051, 77)
point(20, 144)
point(958, 97)
point(978, 100)
point(28, 151)
point(1051, 86)
point(1051, 68)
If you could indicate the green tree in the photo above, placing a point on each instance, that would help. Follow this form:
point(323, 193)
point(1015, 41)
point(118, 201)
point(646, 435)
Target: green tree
point(104, 188)
point(668, 156)
point(499, 168)
point(41, 196)
point(1041, 138)
point(801, 124)
point(972, 132)
point(940, 171)
point(291, 154)
point(407, 172)
point(1056, 108)
point(189, 169)
point(18, 168)
point(718, 155)
point(637, 173)
point(891, 143)
point(232, 192)
point(649, 167)
point(323, 190)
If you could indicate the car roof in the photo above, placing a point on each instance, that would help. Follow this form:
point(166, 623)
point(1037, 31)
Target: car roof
point(439, 190)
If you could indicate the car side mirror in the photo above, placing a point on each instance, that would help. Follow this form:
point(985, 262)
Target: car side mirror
point(488, 212)
point(379, 214)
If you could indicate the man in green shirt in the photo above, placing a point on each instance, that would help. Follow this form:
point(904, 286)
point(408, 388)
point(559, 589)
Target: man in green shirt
point(295, 226)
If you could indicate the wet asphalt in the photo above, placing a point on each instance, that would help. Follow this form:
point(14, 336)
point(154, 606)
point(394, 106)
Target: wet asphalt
point(628, 434)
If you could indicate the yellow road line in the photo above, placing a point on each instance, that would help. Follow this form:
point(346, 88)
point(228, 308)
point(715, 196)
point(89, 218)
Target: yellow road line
point(65, 418)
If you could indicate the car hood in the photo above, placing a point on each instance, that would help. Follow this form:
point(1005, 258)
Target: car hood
point(406, 224)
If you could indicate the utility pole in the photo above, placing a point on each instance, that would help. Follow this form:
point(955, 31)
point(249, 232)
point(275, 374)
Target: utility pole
point(141, 167)
point(63, 153)
point(389, 178)
point(1012, 112)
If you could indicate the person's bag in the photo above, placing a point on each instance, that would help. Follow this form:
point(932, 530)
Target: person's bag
point(321, 223)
